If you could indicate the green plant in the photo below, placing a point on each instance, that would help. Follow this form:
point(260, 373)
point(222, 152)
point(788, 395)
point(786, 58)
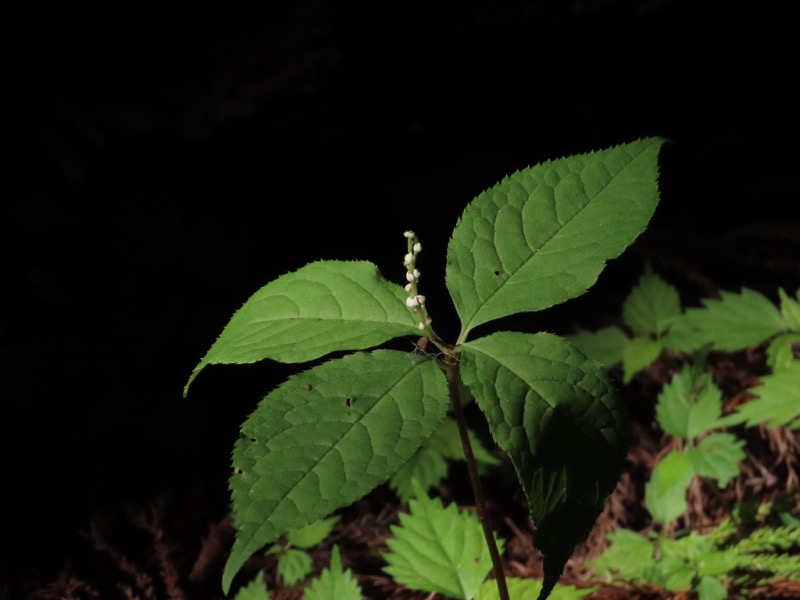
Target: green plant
point(689, 409)
point(648, 311)
point(294, 563)
point(438, 549)
point(334, 583)
point(330, 434)
point(254, 590)
point(731, 556)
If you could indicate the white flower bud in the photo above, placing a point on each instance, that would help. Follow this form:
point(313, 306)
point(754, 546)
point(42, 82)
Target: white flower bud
point(408, 260)
point(420, 300)
point(416, 274)
point(408, 288)
point(410, 277)
point(421, 326)
point(417, 248)
point(409, 234)
point(412, 301)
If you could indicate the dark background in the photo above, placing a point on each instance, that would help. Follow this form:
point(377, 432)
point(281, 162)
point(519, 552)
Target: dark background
point(163, 162)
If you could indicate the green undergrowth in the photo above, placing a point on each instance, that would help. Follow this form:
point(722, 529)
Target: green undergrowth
point(738, 554)
point(434, 548)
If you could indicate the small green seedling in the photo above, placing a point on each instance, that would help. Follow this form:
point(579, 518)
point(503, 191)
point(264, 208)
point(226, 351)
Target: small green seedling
point(689, 408)
point(441, 550)
point(648, 312)
point(332, 433)
point(254, 590)
point(294, 563)
point(438, 549)
point(735, 555)
point(334, 583)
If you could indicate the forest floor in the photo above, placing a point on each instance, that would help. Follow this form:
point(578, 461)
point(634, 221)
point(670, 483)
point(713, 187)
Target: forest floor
point(173, 544)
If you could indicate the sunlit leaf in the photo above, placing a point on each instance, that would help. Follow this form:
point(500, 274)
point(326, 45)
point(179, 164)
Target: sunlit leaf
point(638, 354)
point(334, 583)
point(604, 345)
point(718, 457)
point(255, 590)
point(777, 402)
point(312, 534)
point(326, 437)
point(665, 493)
point(320, 308)
point(543, 235)
point(690, 404)
point(438, 549)
point(734, 322)
point(651, 304)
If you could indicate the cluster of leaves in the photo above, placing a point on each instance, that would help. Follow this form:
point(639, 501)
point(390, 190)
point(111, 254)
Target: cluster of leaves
point(653, 312)
point(434, 549)
point(294, 563)
point(329, 435)
point(710, 564)
point(689, 408)
point(334, 583)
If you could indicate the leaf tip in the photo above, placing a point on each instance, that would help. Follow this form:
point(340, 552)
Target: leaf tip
point(192, 377)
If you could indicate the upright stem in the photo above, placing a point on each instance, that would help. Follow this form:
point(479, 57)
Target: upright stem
point(451, 368)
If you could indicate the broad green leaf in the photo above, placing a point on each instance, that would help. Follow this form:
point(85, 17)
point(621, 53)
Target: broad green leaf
point(734, 322)
point(628, 558)
point(556, 414)
point(777, 404)
point(718, 457)
point(294, 565)
point(781, 352)
point(255, 590)
point(676, 574)
point(665, 493)
point(437, 549)
point(717, 562)
point(651, 304)
point(320, 308)
point(543, 235)
point(711, 588)
point(334, 583)
point(604, 345)
point(427, 466)
point(326, 437)
point(525, 589)
point(690, 404)
point(790, 310)
point(312, 534)
point(638, 354)
point(682, 337)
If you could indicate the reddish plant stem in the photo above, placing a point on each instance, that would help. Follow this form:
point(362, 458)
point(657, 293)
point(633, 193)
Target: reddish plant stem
point(451, 368)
